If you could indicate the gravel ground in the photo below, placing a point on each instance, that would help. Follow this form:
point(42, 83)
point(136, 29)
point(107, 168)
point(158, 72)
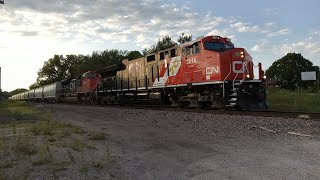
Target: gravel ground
point(153, 144)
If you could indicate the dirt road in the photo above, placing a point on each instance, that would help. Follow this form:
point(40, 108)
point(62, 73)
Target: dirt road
point(153, 144)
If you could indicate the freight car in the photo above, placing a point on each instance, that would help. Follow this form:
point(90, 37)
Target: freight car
point(207, 72)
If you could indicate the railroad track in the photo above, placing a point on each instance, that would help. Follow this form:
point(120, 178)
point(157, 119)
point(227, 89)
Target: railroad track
point(302, 115)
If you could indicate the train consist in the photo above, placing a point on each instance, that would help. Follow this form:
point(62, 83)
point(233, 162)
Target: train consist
point(207, 72)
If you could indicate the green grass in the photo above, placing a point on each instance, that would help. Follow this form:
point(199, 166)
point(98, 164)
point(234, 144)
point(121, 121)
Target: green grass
point(44, 156)
point(19, 111)
point(18, 108)
point(97, 136)
point(284, 100)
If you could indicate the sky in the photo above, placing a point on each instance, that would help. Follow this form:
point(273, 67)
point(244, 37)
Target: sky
point(32, 31)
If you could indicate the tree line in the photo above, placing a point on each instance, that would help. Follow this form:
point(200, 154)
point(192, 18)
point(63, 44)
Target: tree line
point(61, 67)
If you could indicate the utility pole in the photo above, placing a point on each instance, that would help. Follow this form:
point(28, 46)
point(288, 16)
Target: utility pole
point(0, 87)
point(0, 79)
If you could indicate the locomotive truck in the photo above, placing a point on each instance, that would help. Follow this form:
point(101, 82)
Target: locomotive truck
point(206, 72)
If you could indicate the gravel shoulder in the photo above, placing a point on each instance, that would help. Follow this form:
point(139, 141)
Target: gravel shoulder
point(153, 144)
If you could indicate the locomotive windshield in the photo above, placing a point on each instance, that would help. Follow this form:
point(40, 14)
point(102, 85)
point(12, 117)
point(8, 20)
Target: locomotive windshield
point(217, 46)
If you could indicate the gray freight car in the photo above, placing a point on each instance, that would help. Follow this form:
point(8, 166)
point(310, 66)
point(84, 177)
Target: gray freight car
point(51, 92)
point(38, 94)
point(31, 95)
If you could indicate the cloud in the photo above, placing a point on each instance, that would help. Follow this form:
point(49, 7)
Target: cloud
point(257, 48)
point(113, 21)
point(280, 32)
point(302, 46)
point(137, 23)
point(244, 27)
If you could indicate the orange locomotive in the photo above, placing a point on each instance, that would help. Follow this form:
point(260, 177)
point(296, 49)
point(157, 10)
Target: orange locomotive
point(208, 71)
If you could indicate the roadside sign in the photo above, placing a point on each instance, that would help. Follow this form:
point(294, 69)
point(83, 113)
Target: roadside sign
point(309, 76)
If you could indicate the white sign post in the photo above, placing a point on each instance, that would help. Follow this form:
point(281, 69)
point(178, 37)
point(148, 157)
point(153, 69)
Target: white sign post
point(309, 76)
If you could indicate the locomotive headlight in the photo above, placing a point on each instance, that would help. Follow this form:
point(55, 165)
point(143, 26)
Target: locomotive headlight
point(248, 76)
point(242, 54)
point(264, 77)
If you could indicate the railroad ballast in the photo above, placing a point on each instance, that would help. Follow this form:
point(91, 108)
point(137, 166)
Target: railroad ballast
point(206, 72)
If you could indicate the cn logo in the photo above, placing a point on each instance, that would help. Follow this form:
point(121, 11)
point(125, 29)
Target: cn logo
point(236, 65)
point(211, 70)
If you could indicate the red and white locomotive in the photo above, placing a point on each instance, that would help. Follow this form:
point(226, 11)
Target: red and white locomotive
point(207, 72)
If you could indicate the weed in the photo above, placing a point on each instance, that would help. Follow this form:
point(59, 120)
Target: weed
point(2, 174)
point(47, 128)
point(61, 166)
point(111, 175)
point(78, 130)
point(83, 165)
point(78, 145)
point(63, 133)
point(14, 129)
point(70, 156)
point(44, 155)
point(84, 168)
point(52, 139)
point(24, 146)
point(97, 136)
point(3, 144)
point(98, 165)
point(108, 153)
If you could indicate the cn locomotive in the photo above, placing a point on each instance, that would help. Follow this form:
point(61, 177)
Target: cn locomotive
point(206, 72)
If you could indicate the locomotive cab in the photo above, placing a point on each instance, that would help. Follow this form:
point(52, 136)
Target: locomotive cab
point(240, 87)
point(88, 82)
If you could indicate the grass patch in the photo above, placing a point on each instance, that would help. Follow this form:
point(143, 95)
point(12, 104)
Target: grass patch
point(98, 165)
point(78, 130)
point(4, 148)
point(24, 146)
point(78, 145)
point(19, 111)
point(44, 156)
point(61, 166)
point(84, 167)
point(47, 127)
point(97, 136)
point(284, 100)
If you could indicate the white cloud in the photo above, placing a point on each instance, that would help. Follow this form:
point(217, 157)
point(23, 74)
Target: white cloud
point(257, 48)
point(303, 47)
point(280, 32)
point(244, 27)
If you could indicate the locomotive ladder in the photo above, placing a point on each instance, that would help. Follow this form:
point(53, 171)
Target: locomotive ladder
point(232, 94)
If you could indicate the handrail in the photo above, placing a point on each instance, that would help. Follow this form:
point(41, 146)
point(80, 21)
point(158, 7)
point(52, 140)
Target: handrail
point(242, 69)
point(235, 78)
point(225, 80)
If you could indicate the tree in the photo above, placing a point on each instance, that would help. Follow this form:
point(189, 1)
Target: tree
point(70, 66)
point(34, 85)
point(184, 38)
point(165, 43)
point(52, 71)
point(17, 91)
point(287, 71)
point(134, 55)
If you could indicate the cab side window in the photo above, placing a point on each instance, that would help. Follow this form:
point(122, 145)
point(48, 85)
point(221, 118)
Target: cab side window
point(192, 49)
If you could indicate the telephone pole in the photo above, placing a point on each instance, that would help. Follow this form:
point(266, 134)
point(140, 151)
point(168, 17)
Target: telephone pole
point(0, 79)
